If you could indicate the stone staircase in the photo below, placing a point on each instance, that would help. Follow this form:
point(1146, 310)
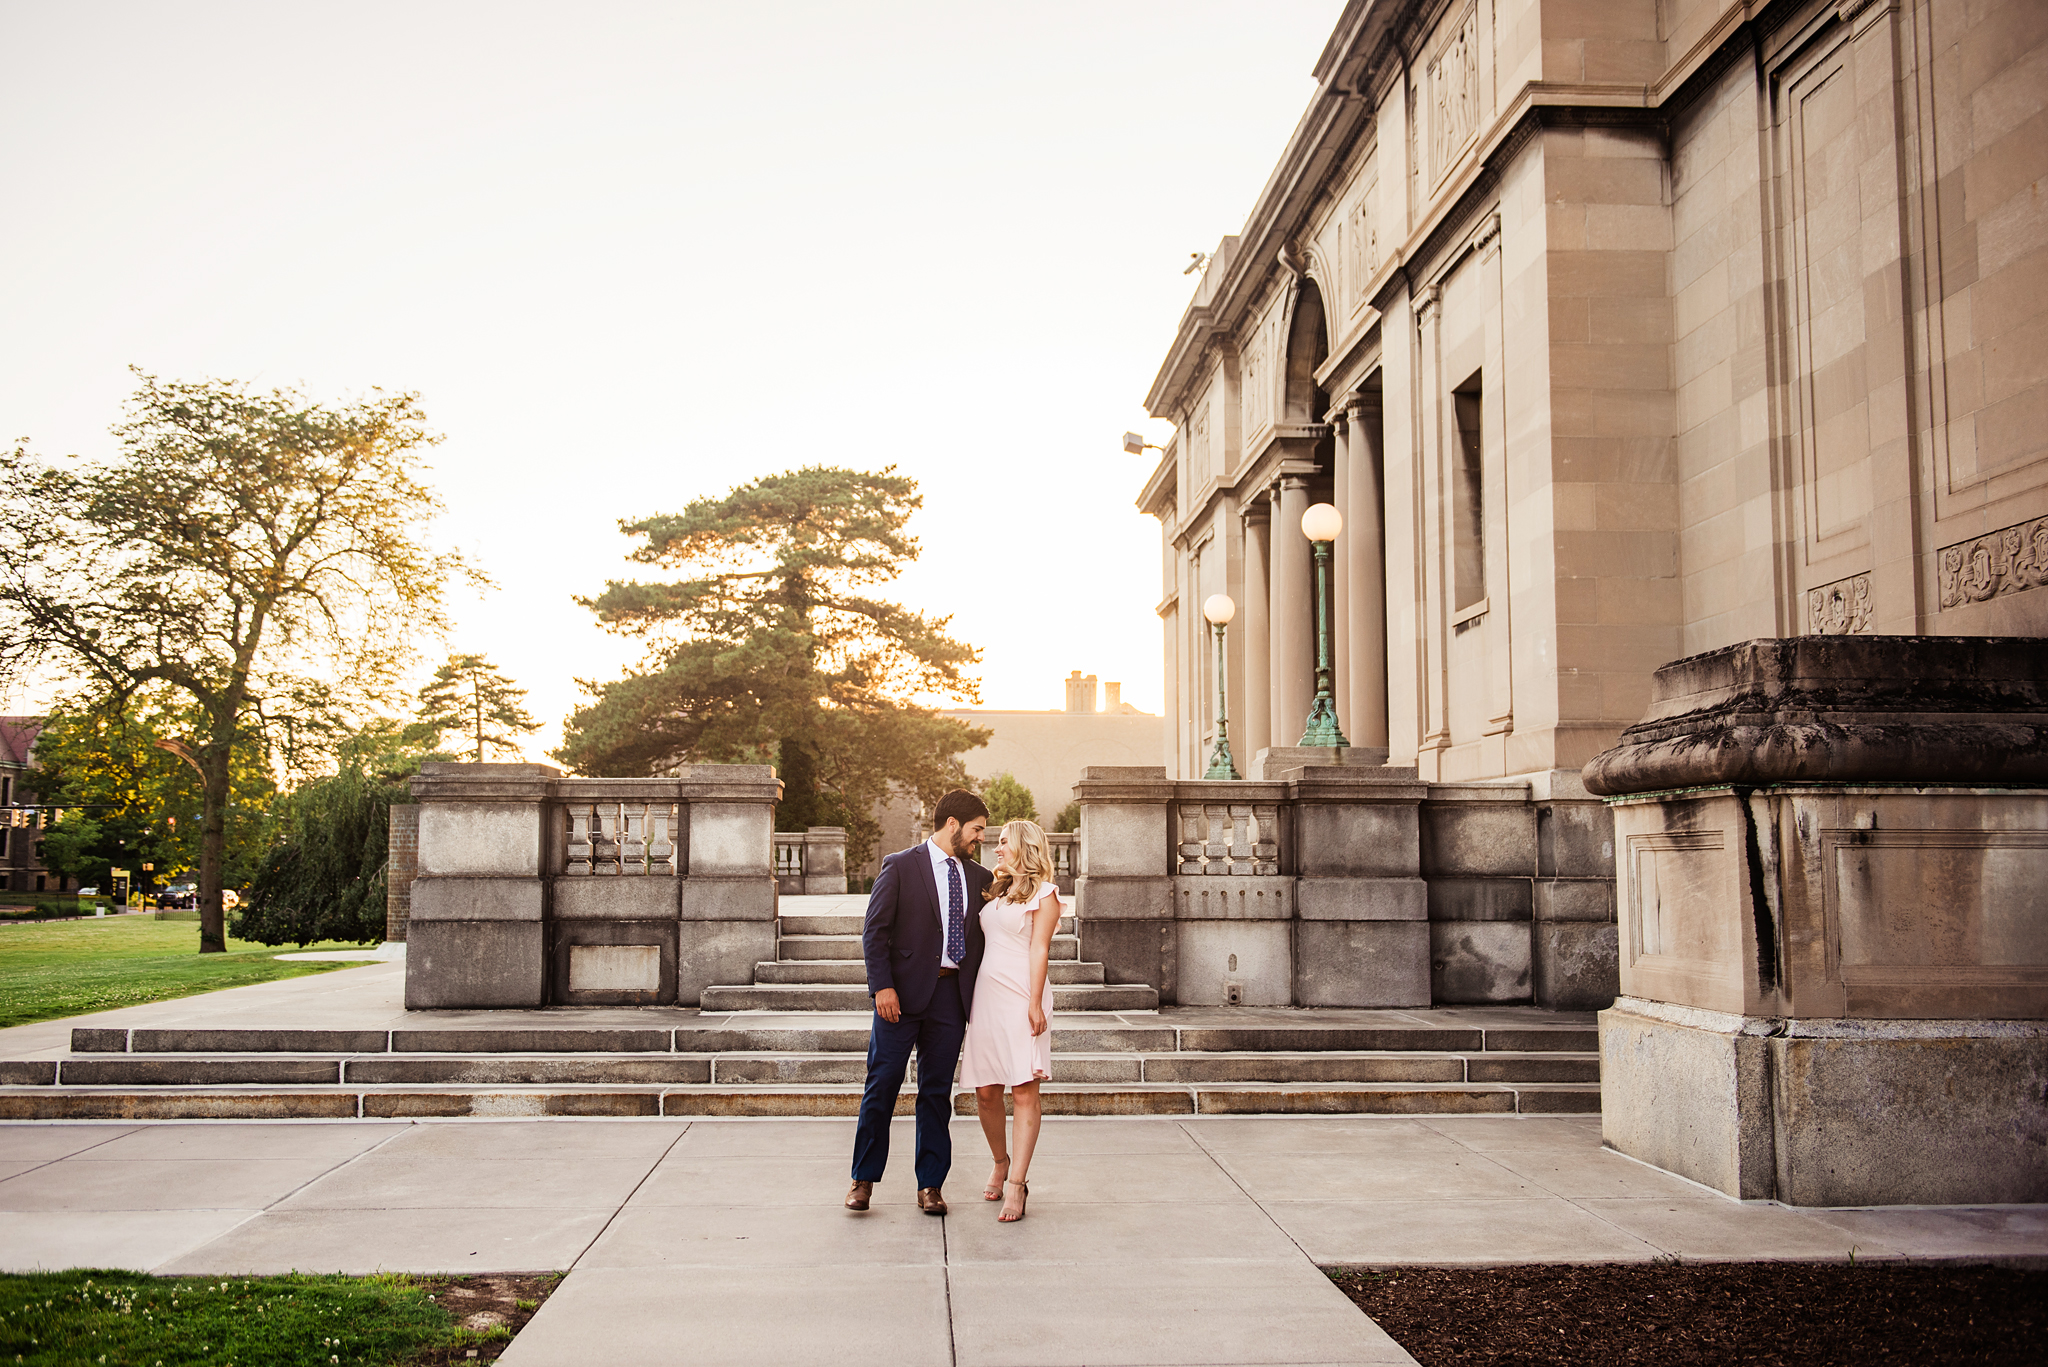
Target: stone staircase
point(818, 967)
point(794, 1043)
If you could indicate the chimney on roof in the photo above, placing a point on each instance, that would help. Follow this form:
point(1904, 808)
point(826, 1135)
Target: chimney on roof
point(1080, 692)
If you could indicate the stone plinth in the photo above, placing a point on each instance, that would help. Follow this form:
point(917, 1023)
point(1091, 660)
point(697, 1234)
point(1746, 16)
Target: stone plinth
point(1834, 928)
point(538, 890)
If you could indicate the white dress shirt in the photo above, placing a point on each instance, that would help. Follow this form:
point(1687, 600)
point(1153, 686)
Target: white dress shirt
point(939, 860)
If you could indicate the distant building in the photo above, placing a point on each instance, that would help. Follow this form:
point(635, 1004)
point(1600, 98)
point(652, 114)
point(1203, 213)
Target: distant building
point(1044, 751)
point(21, 862)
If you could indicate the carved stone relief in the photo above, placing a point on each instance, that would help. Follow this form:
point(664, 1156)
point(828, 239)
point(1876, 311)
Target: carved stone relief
point(1362, 261)
point(2010, 560)
point(1454, 93)
point(1839, 609)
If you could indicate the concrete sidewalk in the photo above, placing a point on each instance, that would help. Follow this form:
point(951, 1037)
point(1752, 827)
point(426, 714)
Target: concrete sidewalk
point(722, 1241)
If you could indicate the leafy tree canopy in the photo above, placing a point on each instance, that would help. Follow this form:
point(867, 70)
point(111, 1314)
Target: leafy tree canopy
point(127, 799)
point(771, 649)
point(469, 696)
point(324, 876)
point(258, 552)
point(1007, 800)
point(1069, 818)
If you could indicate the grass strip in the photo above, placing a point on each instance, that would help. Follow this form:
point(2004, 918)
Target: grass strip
point(124, 1319)
point(68, 968)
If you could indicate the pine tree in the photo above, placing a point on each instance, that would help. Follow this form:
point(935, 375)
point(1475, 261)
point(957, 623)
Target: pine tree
point(469, 696)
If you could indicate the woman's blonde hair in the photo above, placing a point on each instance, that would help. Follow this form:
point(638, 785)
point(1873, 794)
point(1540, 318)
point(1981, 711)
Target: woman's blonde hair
point(1034, 861)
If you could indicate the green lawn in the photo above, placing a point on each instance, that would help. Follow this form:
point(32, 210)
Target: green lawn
point(130, 1318)
point(67, 968)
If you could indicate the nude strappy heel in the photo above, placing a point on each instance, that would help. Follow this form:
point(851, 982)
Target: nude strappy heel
point(994, 1190)
point(1023, 1195)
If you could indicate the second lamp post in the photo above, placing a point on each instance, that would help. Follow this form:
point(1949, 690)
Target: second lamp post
point(1219, 609)
point(1321, 524)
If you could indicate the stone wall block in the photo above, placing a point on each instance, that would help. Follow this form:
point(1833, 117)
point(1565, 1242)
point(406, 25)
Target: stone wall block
point(719, 953)
point(1357, 839)
point(1575, 899)
point(1369, 964)
point(617, 898)
point(1490, 833)
point(1574, 965)
point(1135, 951)
point(477, 899)
point(1362, 899)
point(474, 965)
point(1474, 963)
point(1574, 840)
point(1124, 838)
point(1480, 899)
point(1202, 898)
point(1257, 957)
point(1672, 1095)
point(1100, 898)
point(1906, 1121)
point(491, 838)
point(744, 898)
point(729, 837)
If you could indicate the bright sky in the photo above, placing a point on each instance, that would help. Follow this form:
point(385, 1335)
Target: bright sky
point(633, 254)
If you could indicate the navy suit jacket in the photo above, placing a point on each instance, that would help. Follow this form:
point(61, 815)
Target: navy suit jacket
point(905, 929)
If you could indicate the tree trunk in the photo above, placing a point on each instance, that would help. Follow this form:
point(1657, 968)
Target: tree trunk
point(213, 841)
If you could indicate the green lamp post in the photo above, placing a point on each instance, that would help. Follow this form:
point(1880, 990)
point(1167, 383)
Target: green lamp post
point(1321, 524)
point(1219, 609)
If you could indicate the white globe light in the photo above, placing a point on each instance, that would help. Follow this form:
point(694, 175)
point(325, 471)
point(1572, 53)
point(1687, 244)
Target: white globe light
point(1219, 609)
point(1322, 522)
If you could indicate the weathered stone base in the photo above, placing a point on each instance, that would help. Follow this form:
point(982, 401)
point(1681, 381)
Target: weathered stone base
point(1830, 1112)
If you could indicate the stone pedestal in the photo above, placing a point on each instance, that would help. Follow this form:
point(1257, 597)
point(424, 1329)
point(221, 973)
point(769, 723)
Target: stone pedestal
point(1275, 761)
point(1833, 876)
point(825, 861)
point(536, 890)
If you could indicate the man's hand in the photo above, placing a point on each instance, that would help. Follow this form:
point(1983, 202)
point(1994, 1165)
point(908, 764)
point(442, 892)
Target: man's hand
point(888, 1006)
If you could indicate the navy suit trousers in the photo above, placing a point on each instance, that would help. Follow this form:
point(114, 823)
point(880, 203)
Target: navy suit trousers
point(936, 1033)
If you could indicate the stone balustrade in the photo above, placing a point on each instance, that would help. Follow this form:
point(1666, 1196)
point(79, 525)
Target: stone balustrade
point(811, 863)
point(532, 889)
point(1348, 884)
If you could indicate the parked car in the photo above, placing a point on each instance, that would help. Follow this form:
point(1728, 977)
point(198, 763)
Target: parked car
point(178, 897)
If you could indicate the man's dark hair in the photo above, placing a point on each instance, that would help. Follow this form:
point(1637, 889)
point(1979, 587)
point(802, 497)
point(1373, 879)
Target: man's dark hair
point(958, 805)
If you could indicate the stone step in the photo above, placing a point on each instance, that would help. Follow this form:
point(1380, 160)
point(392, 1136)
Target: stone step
point(848, 947)
point(1064, 972)
point(817, 1099)
point(851, 925)
point(1073, 1031)
point(854, 997)
point(779, 1068)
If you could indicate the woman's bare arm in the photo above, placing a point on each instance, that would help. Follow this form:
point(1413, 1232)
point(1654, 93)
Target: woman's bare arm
point(1045, 921)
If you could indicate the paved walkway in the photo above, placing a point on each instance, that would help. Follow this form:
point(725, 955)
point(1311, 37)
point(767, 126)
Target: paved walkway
point(722, 1241)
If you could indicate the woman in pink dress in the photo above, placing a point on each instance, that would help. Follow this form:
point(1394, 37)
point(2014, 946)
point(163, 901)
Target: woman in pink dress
point(1009, 1034)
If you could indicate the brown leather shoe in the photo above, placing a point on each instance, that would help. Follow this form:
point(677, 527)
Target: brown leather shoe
point(858, 1195)
point(930, 1202)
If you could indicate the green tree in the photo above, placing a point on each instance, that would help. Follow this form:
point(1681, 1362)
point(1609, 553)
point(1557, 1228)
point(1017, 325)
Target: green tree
point(127, 799)
point(323, 878)
point(1069, 818)
point(469, 696)
point(769, 649)
point(1007, 800)
point(256, 551)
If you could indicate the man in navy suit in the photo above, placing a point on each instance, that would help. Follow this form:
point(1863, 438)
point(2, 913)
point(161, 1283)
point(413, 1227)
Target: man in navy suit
point(923, 945)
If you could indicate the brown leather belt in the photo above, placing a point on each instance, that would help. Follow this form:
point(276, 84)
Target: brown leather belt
point(948, 972)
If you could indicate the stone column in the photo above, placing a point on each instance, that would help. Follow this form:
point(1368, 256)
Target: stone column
point(1123, 894)
point(1254, 622)
point(1294, 612)
point(1344, 450)
point(476, 937)
point(1365, 601)
point(1363, 934)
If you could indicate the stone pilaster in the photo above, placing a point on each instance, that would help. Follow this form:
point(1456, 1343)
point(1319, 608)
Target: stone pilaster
point(1123, 892)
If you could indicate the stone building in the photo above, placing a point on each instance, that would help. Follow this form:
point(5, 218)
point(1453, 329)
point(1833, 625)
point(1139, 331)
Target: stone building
point(21, 862)
point(1618, 331)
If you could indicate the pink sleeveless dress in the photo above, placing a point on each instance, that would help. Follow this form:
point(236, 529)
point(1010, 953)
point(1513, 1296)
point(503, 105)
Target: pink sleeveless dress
point(999, 1047)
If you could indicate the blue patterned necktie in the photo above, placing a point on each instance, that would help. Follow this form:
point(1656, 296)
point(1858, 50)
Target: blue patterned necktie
point(956, 914)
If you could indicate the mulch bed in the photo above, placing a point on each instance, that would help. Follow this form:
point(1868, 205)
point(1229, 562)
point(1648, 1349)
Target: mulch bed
point(1680, 1314)
point(482, 1303)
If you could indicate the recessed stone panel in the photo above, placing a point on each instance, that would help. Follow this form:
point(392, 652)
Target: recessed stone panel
point(614, 968)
